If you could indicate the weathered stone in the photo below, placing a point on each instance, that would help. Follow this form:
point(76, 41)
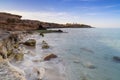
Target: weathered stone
point(42, 34)
point(10, 72)
point(45, 45)
point(30, 42)
point(1, 58)
point(40, 73)
point(50, 56)
point(19, 56)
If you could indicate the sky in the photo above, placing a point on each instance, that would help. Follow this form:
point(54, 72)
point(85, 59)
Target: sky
point(97, 13)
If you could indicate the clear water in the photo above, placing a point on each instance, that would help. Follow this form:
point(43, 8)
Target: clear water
point(81, 47)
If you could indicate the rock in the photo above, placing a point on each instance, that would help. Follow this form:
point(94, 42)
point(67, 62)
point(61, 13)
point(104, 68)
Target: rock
point(116, 58)
point(10, 72)
point(16, 54)
point(1, 58)
point(76, 61)
point(30, 42)
point(40, 73)
point(45, 45)
point(90, 65)
point(41, 34)
point(60, 30)
point(14, 68)
point(49, 56)
point(2, 55)
point(14, 22)
point(19, 56)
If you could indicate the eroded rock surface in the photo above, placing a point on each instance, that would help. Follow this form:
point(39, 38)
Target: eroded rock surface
point(8, 72)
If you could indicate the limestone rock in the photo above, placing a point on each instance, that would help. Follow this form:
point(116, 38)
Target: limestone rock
point(50, 56)
point(40, 73)
point(30, 42)
point(19, 56)
point(10, 72)
point(45, 45)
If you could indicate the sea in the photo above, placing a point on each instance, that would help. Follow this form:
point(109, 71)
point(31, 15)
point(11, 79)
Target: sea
point(83, 54)
point(87, 52)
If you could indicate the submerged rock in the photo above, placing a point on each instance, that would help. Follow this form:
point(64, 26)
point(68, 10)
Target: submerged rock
point(90, 65)
point(45, 45)
point(30, 42)
point(76, 61)
point(116, 59)
point(50, 56)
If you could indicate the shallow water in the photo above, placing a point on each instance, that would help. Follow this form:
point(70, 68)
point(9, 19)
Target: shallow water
point(80, 48)
point(77, 50)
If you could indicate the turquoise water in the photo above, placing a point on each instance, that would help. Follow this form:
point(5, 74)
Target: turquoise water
point(80, 48)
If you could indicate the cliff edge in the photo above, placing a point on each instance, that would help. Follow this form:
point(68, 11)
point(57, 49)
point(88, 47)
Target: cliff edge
point(14, 22)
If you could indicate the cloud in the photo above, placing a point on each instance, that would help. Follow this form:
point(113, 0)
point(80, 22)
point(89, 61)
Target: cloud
point(97, 8)
point(47, 16)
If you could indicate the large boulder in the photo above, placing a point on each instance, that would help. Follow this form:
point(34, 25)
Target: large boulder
point(30, 42)
point(50, 56)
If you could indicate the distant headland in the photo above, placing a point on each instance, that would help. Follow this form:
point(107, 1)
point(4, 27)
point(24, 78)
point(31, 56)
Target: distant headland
point(12, 22)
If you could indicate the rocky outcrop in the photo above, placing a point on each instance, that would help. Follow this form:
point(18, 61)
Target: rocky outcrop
point(10, 50)
point(14, 22)
point(9, 46)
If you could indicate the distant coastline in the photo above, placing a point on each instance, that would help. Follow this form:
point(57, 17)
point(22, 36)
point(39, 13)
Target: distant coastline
point(13, 22)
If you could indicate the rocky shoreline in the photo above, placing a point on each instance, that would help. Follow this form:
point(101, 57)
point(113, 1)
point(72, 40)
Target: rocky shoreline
point(7, 46)
point(13, 55)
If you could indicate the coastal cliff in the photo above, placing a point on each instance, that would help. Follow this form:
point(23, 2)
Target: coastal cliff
point(14, 22)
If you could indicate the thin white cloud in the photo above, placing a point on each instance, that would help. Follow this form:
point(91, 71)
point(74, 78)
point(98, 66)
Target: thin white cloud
point(87, 8)
point(92, 14)
point(57, 17)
